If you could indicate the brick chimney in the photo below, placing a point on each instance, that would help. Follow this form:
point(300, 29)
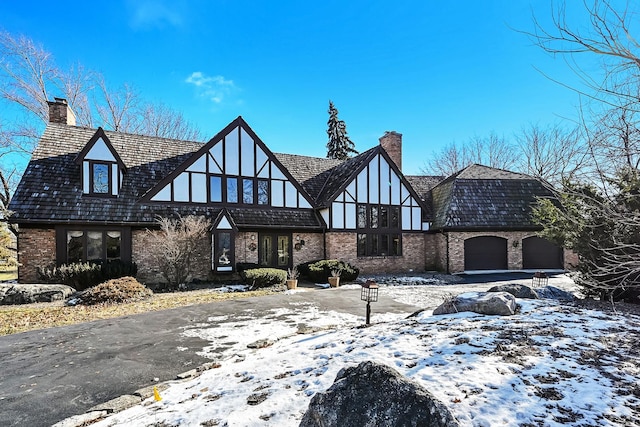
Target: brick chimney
point(391, 141)
point(60, 112)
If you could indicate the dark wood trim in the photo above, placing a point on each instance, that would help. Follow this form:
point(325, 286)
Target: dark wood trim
point(61, 240)
point(110, 184)
point(275, 235)
point(89, 145)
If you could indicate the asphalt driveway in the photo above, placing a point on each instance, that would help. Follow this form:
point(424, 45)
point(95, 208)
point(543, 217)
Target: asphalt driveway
point(49, 375)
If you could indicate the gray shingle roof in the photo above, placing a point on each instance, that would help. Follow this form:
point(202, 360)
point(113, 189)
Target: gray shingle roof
point(480, 197)
point(50, 190)
point(308, 171)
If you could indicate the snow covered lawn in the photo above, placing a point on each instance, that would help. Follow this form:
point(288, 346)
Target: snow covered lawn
point(551, 365)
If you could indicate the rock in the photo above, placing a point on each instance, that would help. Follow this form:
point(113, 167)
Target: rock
point(257, 398)
point(260, 343)
point(372, 394)
point(518, 291)
point(27, 294)
point(490, 303)
point(551, 292)
point(118, 404)
point(82, 419)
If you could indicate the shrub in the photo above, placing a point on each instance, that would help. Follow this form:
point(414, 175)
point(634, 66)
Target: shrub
point(83, 275)
point(124, 289)
point(320, 271)
point(263, 277)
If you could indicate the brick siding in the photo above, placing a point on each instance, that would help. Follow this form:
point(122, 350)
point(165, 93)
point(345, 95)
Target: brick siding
point(343, 246)
point(36, 248)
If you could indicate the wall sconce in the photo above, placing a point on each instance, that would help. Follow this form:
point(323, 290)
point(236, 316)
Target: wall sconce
point(253, 237)
point(515, 244)
point(299, 243)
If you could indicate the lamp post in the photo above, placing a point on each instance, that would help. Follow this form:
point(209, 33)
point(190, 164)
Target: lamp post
point(369, 293)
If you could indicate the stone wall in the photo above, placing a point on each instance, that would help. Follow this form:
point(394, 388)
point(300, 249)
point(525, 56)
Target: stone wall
point(36, 248)
point(343, 246)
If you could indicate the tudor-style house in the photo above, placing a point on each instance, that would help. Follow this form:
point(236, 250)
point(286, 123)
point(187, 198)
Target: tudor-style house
point(90, 194)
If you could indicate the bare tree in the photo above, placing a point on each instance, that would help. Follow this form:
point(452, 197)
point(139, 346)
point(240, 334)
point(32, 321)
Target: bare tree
point(493, 150)
point(29, 78)
point(114, 106)
point(609, 35)
point(551, 153)
point(176, 245)
point(162, 121)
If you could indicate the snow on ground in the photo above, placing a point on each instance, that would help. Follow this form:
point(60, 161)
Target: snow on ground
point(550, 365)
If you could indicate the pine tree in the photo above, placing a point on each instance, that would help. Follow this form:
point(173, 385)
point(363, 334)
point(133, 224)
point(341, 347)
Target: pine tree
point(339, 145)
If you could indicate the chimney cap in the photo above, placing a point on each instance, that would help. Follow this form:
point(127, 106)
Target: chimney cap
point(60, 100)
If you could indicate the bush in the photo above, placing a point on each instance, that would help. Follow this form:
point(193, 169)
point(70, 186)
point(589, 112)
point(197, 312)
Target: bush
point(124, 289)
point(263, 277)
point(83, 275)
point(320, 271)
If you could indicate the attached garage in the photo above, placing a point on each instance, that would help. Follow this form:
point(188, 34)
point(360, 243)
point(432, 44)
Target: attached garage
point(539, 253)
point(485, 253)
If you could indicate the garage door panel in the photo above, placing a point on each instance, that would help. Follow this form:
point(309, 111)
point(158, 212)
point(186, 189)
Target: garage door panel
point(485, 253)
point(539, 253)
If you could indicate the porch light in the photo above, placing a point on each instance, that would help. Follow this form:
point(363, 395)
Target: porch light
point(369, 293)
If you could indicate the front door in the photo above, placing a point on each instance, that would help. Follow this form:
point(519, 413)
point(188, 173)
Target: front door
point(275, 250)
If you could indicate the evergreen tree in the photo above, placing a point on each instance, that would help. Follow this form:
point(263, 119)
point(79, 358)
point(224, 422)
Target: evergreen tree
point(339, 145)
point(602, 226)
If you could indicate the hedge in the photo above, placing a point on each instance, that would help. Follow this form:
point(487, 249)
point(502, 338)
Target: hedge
point(319, 271)
point(83, 275)
point(263, 277)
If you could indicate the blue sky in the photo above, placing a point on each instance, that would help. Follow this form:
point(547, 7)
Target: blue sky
point(435, 71)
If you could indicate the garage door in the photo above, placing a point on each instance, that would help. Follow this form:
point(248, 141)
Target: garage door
point(485, 253)
point(539, 253)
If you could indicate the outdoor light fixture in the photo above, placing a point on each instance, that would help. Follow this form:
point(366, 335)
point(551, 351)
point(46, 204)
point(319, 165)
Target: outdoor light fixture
point(540, 279)
point(369, 294)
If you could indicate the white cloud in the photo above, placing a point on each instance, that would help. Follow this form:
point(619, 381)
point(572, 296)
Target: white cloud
point(147, 14)
point(215, 88)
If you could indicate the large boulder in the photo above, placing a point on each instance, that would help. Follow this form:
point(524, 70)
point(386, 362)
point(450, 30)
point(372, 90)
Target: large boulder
point(551, 292)
point(518, 291)
point(490, 303)
point(27, 294)
point(372, 394)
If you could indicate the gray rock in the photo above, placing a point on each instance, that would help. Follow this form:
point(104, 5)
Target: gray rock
point(27, 294)
point(260, 343)
point(551, 292)
point(490, 303)
point(518, 291)
point(372, 394)
point(118, 404)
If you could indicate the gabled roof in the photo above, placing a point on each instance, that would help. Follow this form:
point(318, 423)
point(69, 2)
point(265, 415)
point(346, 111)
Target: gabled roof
point(481, 197)
point(97, 136)
point(338, 177)
point(51, 187)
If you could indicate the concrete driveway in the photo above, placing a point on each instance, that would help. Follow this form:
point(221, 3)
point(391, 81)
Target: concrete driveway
point(49, 375)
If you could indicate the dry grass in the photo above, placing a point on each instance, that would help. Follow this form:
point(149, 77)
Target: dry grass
point(21, 318)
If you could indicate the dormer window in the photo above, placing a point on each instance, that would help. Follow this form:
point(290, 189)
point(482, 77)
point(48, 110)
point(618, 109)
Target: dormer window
point(100, 178)
point(102, 168)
